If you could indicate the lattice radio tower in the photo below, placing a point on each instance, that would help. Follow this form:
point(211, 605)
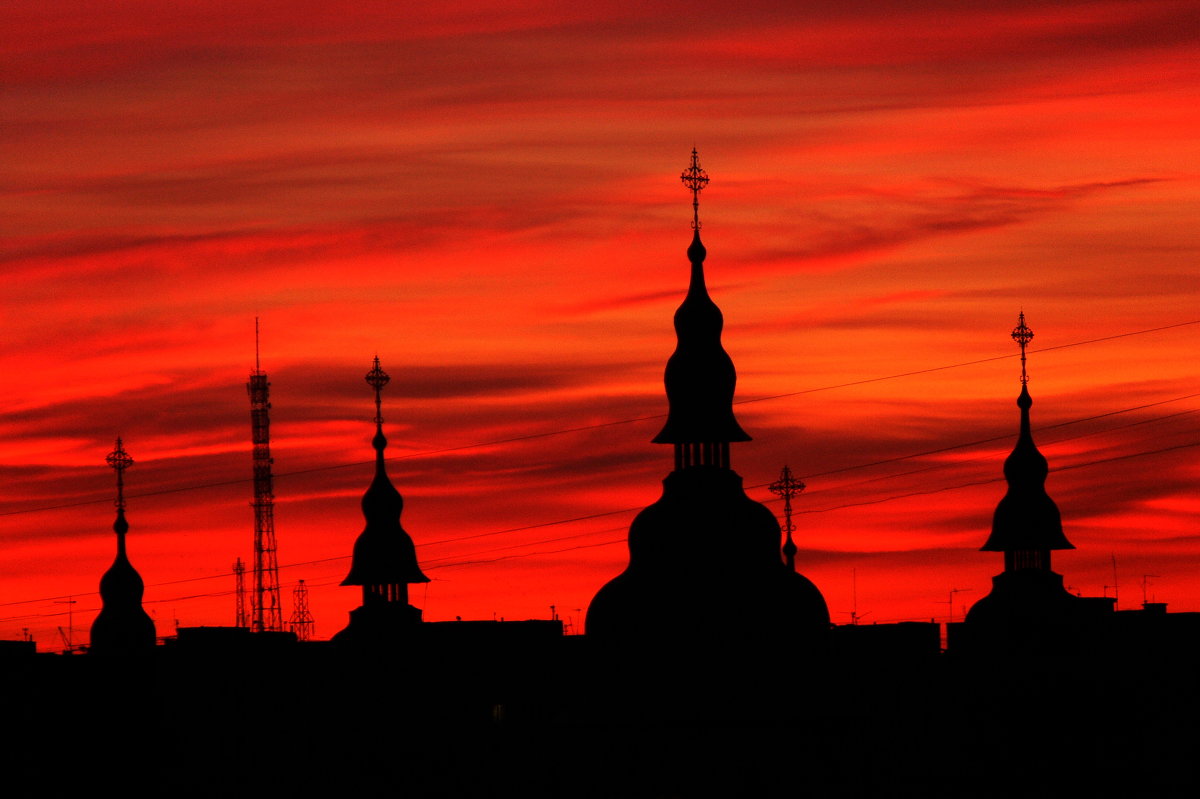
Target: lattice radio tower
point(239, 593)
point(266, 610)
point(301, 621)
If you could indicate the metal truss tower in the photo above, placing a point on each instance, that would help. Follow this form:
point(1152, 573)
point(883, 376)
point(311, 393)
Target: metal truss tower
point(301, 622)
point(267, 615)
point(239, 592)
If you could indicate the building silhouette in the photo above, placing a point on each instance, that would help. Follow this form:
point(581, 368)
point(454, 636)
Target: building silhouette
point(385, 559)
point(744, 690)
point(705, 555)
point(1028, 607)
point(122, 626)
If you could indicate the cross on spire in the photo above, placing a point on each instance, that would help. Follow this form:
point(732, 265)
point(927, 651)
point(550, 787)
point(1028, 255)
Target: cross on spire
point(695, 179)
point(787, 487)
point(119, 460)
point(1022, 335)
point(377, 379)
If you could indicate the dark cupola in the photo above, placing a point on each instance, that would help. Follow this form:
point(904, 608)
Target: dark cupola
point(705, 550)
point(1028, 609)
point(122, 627)
point(1026, 524)
point(385, 560)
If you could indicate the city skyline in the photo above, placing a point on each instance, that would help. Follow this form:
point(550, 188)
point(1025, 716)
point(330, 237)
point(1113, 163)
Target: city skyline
point(490, 203)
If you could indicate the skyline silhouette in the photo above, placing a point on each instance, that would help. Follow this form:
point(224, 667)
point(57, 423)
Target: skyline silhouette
point(508, 240)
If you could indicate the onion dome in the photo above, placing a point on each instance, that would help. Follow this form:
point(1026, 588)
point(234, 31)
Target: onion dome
point(1026, 518)
point(704, 549)
point(700, 377)
point(383, 553)
point(122, 626)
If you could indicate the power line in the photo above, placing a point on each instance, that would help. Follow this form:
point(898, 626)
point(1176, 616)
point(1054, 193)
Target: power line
point(596, 426)
point(622, 539)
point(820, 510)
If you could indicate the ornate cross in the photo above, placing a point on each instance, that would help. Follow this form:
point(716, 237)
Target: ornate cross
point(695, 179)
point(1022, 335)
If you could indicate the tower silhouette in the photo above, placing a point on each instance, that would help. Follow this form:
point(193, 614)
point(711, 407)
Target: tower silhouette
point(301, 622)
point(705, 555)
point(267, 613)
point(385, 560)
point(1028, 606)
point(121, 626)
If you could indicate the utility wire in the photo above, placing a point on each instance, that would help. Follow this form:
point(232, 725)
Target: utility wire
point(597, 426)
point(878, 501)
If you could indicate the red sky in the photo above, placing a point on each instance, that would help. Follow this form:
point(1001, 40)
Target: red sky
point(488, 198)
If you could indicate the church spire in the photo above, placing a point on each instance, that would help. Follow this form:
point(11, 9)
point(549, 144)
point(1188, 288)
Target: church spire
point(700, 377)
point(1026, 524)
point(385, 560)
point(122, 626)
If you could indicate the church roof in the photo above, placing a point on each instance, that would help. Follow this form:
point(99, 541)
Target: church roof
point(383, 553)
point(700, 377)
point(1026, 518)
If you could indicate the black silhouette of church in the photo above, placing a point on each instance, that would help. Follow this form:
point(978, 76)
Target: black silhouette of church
point(749, 691)
point(385, 560)
point(1028, 608)
point(122, 627)
point(705, 546)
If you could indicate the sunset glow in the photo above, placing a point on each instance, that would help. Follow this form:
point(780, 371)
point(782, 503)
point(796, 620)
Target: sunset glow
point(487, 197)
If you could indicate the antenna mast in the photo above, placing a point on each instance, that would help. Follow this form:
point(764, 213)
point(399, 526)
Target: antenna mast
point(266, 609)
point(301, 621)
point(239, 593)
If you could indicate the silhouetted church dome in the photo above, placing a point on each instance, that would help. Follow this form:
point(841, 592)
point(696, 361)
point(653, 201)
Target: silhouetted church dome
point(1026, 517)
point(383, 553)
point(1028, 608)
point(700, 377)
point(122, 625)
point(705, 565)
point(385, 560)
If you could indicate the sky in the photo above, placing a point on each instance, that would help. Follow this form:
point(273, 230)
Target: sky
point(487, 197)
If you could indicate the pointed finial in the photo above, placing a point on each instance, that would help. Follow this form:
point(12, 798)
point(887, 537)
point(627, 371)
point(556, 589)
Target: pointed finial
point(1022, 335)
point(787, 487)
point(377, 379)
point(695, 179)
point(257, 366)
point(119, 460)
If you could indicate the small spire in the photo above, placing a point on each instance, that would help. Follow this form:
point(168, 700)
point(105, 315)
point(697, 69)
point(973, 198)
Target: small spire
point(1026, 518)
point(695, 179)
point(119, 460)
point(257, 364)
point(787, 487)
point(122, 625)
point(1022, 335)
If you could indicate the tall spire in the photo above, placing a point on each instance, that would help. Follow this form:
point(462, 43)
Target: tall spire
point(704, 547)
point(1027, 523)
point(385, 560)
point(700, 377)
point(122, 626)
